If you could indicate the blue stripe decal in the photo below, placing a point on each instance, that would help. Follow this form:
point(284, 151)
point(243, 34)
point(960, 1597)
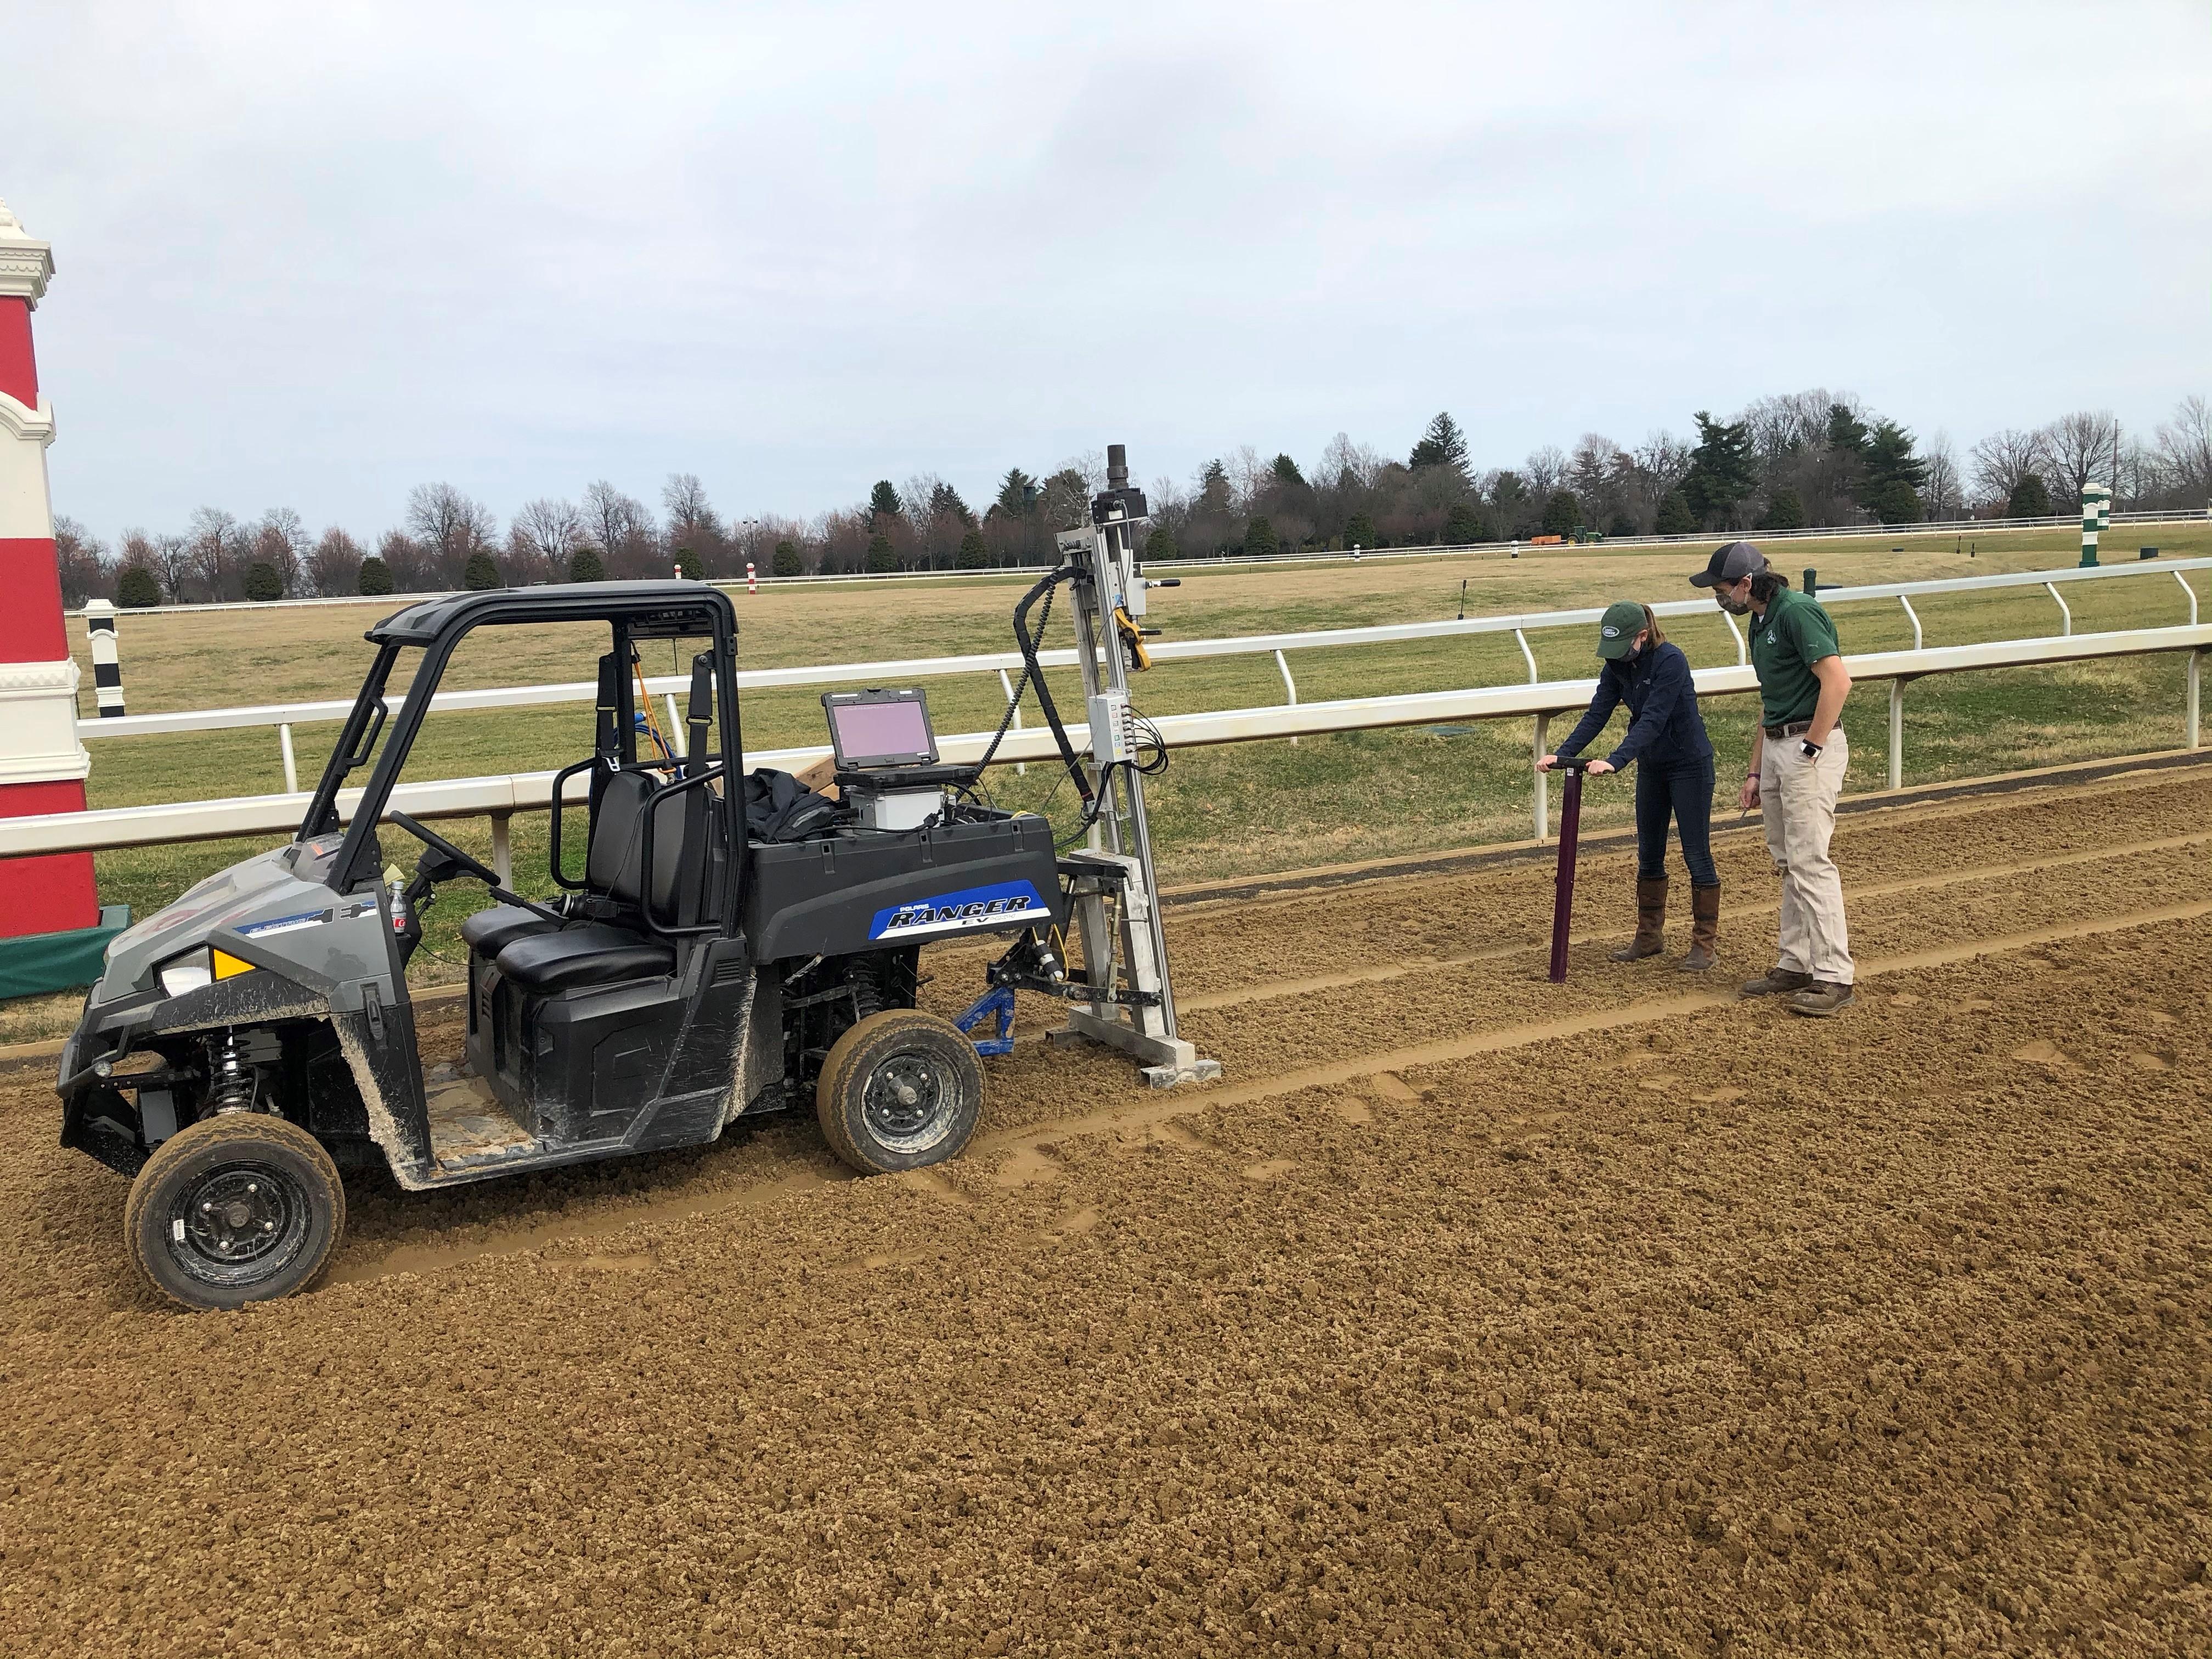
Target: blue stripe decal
point(995, 906)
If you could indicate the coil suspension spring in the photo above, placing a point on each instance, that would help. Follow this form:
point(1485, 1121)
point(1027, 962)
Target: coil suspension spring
point(231, 1087)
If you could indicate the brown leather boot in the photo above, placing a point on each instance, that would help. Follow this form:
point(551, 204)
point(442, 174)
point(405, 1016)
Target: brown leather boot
point(1650, 922)
point(1704, 927)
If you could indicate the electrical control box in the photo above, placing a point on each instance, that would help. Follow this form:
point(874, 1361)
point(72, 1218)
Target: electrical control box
point(1113, 728)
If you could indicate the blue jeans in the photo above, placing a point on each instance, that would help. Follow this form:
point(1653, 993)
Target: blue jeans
point(1683, 791)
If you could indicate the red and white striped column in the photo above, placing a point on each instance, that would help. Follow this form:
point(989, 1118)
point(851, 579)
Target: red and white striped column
point(42, 764)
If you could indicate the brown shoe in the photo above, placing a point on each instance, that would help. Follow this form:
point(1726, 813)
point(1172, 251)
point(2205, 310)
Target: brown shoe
point(1650, 922)
point(1704, 927)
point(1777, 980)
point(1821, 999)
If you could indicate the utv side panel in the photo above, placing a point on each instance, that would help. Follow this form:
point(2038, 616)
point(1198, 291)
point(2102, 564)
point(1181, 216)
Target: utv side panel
point(856, 893)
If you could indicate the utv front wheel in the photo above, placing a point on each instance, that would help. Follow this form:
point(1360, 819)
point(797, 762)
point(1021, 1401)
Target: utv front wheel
point(242, 1207)
point(900, 1089)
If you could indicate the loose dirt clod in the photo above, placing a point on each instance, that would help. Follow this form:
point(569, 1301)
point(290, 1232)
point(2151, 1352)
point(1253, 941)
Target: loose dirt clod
point(1436, 1328)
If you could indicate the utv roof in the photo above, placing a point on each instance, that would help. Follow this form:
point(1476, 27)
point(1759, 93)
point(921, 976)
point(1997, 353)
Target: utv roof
point(648, 609)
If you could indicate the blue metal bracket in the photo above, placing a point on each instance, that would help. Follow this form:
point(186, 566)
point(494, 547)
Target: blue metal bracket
point(999, 1000)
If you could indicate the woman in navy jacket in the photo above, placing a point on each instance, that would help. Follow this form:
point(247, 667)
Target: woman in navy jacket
point(1675, 780)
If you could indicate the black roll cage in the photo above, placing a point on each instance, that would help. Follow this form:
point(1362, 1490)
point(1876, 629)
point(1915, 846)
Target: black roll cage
point(633, 611)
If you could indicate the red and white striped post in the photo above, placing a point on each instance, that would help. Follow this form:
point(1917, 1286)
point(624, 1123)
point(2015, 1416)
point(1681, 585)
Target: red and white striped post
point(752, 582)
point(51, 926)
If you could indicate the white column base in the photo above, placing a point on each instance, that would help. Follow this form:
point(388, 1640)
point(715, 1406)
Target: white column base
point(37, 724)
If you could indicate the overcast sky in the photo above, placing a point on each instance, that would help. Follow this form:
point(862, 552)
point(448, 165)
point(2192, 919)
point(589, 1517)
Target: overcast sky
point(314, 256)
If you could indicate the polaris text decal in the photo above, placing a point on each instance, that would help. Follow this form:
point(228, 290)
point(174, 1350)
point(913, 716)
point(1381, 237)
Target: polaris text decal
point(949, 913)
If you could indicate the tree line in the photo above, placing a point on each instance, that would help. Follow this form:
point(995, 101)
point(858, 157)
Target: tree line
point(1800, 461)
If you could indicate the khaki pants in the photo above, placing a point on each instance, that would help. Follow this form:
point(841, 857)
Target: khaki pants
point(1797, 798)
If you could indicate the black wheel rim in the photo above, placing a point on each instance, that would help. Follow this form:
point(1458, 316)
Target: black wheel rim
point(911, 1102)
point(238, 1224)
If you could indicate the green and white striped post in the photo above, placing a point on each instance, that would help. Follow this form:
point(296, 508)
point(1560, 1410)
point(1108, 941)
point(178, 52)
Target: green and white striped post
point(2096, 516)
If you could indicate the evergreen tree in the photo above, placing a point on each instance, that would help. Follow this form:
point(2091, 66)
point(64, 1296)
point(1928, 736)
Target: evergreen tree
point(1784, 511)
point(1359, 531)
point(483, 571)
point(1286, 470)
point(1847, 432)
point(1622, 524)
point(975, 553)
point(883, 503)
point(584, 565)
point(944, 503)
point(883, 557)
point(2030, 498)
point(376, 576)
point(1160, 544)
point(136, 589)
point(1894, 502)
point(1675, 518)
point(1890, 460)
point(1213, 493)
point(685, 565)
point(786, 561)
point(1464, 525)
point(1722, 473)
point(1442, 445)
point(262, 581)
point(1017, 493)
point(1260, 540)
point(1563, 514)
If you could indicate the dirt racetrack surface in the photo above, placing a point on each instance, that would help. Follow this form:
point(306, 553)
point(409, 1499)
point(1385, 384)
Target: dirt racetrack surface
point(1467, 1314)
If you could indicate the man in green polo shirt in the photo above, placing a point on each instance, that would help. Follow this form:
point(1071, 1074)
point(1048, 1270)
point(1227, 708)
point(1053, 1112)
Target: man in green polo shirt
point(1798, 755)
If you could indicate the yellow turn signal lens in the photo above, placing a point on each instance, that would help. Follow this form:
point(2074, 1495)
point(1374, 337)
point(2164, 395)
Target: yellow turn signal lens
point(230, 967)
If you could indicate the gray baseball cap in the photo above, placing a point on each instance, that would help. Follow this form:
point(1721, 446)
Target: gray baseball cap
point(1730, 563)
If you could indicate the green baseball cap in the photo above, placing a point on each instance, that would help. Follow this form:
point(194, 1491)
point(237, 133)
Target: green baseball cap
point(1617, 629)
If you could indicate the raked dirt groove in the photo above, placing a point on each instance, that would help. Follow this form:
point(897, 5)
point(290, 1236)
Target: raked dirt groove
point(1469, 1314)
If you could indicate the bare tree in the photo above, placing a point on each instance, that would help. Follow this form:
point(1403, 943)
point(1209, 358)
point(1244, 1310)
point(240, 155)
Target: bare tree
point(172, 560)
point(81, 561)
point(280, 542)
point(619, 526)
point(2184, 453)
point(217, 543)
point(1341, 456)
point(334, 567)
point(2079, 449)
point(546, 535)
point(2001, 460)
point(451, 526)
point(1941, 495)
point(1545, 470)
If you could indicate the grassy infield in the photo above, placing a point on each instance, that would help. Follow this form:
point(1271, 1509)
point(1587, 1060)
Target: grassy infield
point(1218, 812)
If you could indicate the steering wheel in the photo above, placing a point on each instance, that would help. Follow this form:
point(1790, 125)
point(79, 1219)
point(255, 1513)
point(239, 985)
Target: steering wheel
point(475, 867)
point(431, 838)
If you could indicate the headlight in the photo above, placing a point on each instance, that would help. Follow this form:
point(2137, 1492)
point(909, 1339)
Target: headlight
point(202, 967)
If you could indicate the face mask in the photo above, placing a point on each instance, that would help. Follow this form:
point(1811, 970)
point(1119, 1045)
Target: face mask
point(1733, 605)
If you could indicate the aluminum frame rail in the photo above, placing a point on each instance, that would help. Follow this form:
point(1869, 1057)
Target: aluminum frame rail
point(497, 797)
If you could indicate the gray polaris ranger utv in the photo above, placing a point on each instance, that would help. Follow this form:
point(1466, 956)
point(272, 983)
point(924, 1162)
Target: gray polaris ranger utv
point(722, 946)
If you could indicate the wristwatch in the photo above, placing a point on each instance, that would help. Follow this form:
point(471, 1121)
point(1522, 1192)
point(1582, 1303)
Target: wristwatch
point(1811, 750)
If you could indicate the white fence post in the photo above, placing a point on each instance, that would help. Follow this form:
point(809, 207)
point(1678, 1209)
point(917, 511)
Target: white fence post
point(2195, 677)
point(1897, 733)
point(2065, 616)
point(503, 848)
point(1021, 767)
point(291, 763)
point(1742, 651)
point(1918, 643)
point(1543, 782)
point(1290, 686)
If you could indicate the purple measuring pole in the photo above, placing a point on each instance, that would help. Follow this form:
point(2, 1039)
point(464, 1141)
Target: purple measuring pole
point(1570, 829)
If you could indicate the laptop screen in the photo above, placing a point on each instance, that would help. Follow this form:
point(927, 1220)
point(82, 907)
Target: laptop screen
point(893, 732)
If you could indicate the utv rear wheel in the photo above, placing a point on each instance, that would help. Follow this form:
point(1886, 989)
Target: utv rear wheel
point(239, 1208)
point(900, 1089)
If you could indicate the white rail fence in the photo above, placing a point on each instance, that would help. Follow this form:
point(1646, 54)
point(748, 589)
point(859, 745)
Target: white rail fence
point(499, 798)
point(285, 716)
point(1955, 527)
